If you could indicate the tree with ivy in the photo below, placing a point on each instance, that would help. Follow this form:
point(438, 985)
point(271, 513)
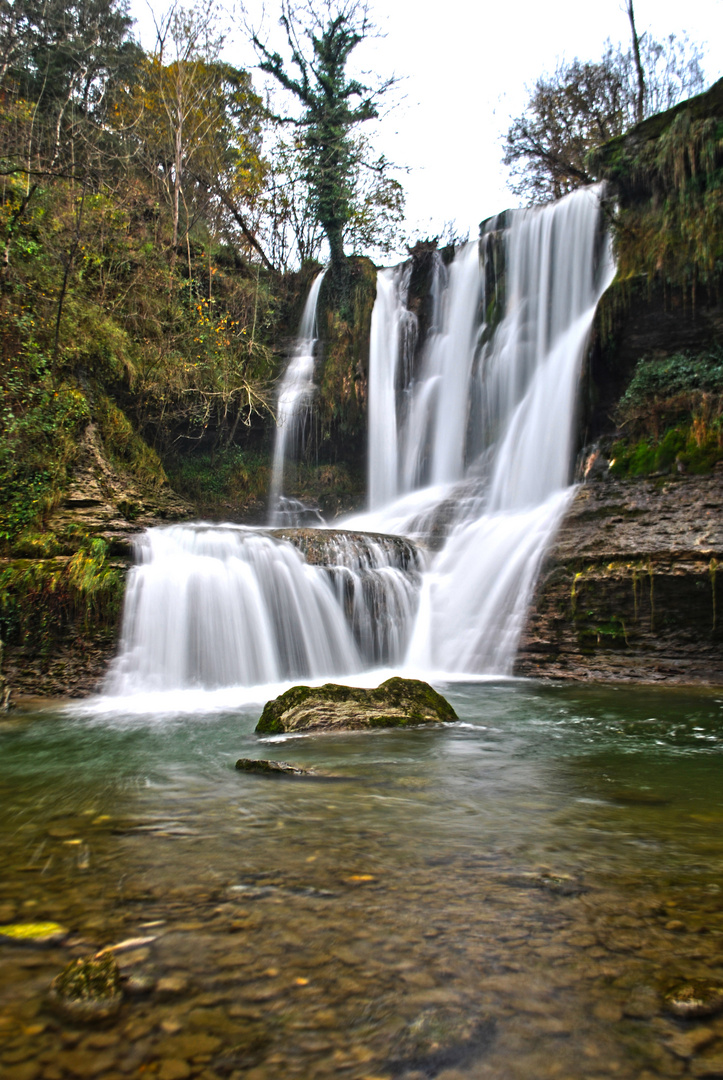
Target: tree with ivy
point(334, 105)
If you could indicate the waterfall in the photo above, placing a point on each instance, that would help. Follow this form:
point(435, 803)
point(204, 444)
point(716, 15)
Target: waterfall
point(470, 453)
point(214, 606)
point(293, 406)
point(511, 494)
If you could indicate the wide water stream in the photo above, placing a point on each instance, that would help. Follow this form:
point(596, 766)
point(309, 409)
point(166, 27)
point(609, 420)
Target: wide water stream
point(509, 896)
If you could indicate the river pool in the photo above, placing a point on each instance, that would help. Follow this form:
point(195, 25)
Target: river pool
point(509, 896)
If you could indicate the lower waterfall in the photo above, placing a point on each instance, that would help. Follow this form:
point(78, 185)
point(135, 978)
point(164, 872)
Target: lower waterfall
point(471, 439)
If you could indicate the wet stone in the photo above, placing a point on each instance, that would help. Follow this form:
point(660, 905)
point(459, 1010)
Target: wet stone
point(26, 1070)
point(174, 1069)
point(171, 986)
point(693, 999)
point(685, 1044)
point(708, 1067)
point(87, 989)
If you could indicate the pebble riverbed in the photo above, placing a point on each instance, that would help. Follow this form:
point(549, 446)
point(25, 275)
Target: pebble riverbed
point(512, 896)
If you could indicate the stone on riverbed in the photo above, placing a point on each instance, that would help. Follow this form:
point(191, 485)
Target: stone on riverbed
point(694, 999)
point(396, 703)
point(87, 990)
point(264, 767)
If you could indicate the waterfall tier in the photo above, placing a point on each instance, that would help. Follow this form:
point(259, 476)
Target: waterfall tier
point(212, 606)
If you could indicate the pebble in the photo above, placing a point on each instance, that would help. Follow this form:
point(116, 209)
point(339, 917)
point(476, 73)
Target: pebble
point(174, 1069)
point(685, 1044)
point(171, 986)
point(609, 1012)
point(707, 1067)
point(26, 1070)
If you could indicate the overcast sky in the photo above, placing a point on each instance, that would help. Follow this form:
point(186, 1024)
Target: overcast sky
point(463, 69)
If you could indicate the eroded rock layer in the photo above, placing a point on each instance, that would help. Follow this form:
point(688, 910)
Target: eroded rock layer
point(632, 588)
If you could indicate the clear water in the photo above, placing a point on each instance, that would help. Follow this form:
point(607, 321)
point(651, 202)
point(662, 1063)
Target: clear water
point(504, 897)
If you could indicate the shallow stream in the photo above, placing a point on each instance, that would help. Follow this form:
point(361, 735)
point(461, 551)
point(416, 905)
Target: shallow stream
point(509, 896)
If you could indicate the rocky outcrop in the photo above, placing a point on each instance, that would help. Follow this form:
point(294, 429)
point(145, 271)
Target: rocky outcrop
point(340, 547)
point(631, 588)
point(396, 703)
point(101, 501)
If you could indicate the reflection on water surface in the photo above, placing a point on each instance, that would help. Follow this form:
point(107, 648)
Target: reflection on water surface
point(507, 897)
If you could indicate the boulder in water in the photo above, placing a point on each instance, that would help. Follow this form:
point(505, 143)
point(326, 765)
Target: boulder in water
point(396, 703)
point(87, 990)
point(264, 767)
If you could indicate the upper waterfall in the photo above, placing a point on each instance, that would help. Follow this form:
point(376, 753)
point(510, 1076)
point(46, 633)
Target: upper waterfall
point(293, 405)
point(485, 424)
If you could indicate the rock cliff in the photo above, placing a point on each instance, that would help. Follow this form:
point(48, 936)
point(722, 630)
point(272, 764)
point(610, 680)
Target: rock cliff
point(631, 588)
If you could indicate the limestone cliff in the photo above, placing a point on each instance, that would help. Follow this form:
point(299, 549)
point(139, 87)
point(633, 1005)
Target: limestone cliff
point(631, 588)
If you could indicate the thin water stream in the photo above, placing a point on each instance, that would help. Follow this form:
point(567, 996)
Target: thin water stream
point(505, 897)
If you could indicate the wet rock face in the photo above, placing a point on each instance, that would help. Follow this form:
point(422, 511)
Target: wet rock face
point(338, 547)
point(396, 703)
point(632, 588)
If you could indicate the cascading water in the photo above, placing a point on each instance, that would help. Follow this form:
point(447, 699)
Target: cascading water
point(296, 393)
point(523, 378)
point(214, 606)
point(470, 447)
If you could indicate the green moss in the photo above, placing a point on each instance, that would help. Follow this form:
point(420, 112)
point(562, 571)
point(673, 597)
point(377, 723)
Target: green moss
point(94, 979)
point(41, 598)
point(682, 449)
point(410, 701)
point(668, 178)
point(125, 447)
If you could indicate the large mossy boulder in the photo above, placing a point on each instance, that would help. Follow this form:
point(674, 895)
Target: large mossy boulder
point(396, 703)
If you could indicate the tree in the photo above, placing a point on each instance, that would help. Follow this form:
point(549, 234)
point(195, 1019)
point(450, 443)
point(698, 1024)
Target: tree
point(333, 107)
point(584, 104)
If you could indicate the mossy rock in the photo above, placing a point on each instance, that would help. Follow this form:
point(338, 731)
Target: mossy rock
point(87, 990)
point(694, 999)
point(396, 703)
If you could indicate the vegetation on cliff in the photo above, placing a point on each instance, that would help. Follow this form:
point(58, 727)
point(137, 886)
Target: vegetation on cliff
point(142, 287)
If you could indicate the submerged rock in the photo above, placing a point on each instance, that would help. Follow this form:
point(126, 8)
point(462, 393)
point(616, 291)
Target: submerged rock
point(396, 703)
point(693, 999)
point(87, 989)
point(264, 767)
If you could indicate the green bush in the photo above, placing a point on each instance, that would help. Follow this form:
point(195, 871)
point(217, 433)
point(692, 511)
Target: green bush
point(683, 373)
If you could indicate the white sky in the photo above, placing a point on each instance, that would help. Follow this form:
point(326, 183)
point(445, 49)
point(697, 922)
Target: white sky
point(463, 70)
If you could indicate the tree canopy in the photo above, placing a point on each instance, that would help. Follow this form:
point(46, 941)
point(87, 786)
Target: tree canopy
point(584, 104)
point(351, 195)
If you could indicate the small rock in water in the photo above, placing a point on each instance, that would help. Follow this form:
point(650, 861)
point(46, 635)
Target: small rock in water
point(87, 989)
point(396, 703)
point(264, 767)
point(442, 1038)
point(698, 997)
point(171, 986)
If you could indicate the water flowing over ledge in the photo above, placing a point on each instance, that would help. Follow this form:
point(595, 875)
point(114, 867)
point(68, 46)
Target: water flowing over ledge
point(470, 451)
point(293, 407)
